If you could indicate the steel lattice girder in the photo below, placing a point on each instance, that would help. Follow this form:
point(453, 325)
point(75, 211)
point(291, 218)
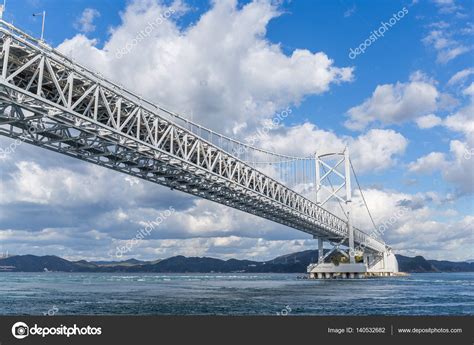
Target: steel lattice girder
point(51, 102)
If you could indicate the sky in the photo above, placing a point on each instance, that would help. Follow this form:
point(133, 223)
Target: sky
point(393, 80)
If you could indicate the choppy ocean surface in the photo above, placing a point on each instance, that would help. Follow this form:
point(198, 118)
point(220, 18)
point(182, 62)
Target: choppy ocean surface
point(233, 294)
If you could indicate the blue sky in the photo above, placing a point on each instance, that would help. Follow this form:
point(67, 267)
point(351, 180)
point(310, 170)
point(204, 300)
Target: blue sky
point(405, 105)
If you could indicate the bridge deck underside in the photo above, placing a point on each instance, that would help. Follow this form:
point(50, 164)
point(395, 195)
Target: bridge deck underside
point(85, 145)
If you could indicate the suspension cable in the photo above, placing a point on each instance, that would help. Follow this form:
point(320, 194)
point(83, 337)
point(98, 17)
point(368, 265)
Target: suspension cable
point(363, 197)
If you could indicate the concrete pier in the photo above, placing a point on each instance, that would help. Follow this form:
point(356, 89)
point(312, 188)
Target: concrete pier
point(382, 266)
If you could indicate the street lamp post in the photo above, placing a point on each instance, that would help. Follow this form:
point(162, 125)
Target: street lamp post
point(43, 15)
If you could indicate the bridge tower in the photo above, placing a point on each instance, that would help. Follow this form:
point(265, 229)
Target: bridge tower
point(333, 183)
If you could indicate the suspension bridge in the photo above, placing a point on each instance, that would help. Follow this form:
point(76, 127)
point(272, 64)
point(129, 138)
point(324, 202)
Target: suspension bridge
point(53, 102)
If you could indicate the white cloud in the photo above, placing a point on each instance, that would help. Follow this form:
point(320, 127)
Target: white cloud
point(458, 169)
point(241, 78)
point(40, 181)
point(377, 149)
point(450, 54)
point(460, 76)
point(414, 100)
point(447, 48)
point(436, 239)
point(431, 162)
point(428, 121)
point(443, 2)
point(395, 103)
point(439, 25)
point(32, 184)
point(77, 244)
point(447, 102)
point(438, 39)
point(468, 30)
point(463, 120)
point(85, 22)
point(383, 145)
point(446, 6)
point(469, 91)
point(407, 220)
point(288, 140)
point(349, 12)
point(408, 225)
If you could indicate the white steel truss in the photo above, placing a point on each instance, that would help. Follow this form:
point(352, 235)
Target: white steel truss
point(52, 102)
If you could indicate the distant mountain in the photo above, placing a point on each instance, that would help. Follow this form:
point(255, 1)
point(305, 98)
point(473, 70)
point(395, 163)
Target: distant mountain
point(417, 264)
point(449, 266)
point(290, 263)
point(32, 263)
point(129, 262)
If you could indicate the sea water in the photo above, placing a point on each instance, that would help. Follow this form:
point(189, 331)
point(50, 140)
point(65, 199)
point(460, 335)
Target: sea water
point(55, 293)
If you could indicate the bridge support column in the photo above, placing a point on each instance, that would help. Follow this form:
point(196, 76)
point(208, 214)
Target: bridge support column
point(365, 260)
point(320, 250)
point(350, 230)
